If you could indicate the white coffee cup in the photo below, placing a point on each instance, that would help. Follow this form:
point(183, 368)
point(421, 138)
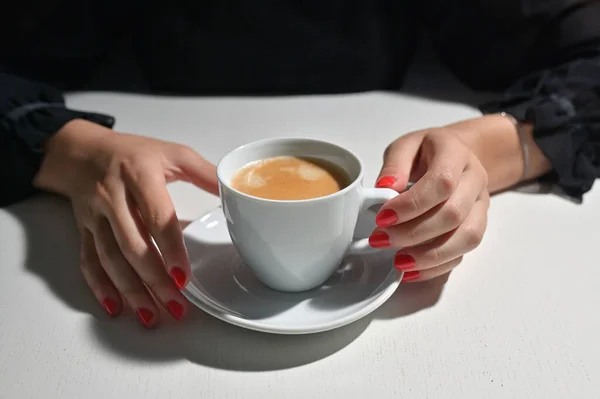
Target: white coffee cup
point(296, 245)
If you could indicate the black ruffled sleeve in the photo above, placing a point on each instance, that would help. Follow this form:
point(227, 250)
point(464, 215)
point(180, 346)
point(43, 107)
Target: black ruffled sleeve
point(30, 113)
point(563, 103)
point(545, 58)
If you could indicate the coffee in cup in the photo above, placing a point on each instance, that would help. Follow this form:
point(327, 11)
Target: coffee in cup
point(289, 178)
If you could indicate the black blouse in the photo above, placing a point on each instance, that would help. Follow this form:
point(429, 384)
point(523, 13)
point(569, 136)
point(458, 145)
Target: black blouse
point(542, 56)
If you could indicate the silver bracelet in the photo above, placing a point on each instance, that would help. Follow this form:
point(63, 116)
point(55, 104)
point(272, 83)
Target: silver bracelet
point(523, 140)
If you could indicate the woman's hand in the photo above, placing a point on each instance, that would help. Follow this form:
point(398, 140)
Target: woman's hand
point(443, 215)
point(117, 185)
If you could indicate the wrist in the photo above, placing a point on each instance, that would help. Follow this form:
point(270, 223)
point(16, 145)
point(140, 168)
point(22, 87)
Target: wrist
point(67, 155)
point(495, 140)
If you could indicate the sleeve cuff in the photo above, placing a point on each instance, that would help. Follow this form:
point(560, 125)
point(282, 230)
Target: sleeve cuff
point(27, 128)
point(563, 106)
point(34, 123)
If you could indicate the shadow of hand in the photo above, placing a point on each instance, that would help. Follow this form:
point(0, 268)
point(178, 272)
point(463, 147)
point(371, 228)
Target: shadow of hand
point(53, 255)
point(53, 250)
point(413, 297)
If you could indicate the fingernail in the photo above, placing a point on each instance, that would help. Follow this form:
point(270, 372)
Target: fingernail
point(176, 309)
point(385, 182)
point(145, 316)
point(379, 239)
point(178, 277)
point(404, 262)
point(386, 218)
point(110, 306)
point(408, 276)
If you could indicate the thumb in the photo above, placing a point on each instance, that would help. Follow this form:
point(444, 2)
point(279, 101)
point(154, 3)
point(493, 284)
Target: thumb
point(398, 160)
point(197, 170)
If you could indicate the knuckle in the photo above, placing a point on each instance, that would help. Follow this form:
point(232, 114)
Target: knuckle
point(472, 236)
point(130, 291)
point(389, 149)
point(445, 183)
point(157, 219)
point(157, 282)
point(186, 151)
point(134, 250)
point(133, 167)
point(485, 180)
point(431, 257)
point(431, 136)
point(453, 214)
point(457, 261)
point(411, 238)
point(414, 202)
point(129, 167)
point(158, 286)
point(487, 200)
point(158, 211)
point(485, 177)
point(436, 255)
point(476, 165)
point(102, 191)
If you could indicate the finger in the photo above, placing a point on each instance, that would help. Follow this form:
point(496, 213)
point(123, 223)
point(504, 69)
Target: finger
point(96, 278)
point(123, 276)
point(441, 219)
point(148, 188)
point(443, 174)
point(196, 169)
point(398, 160)
point(137, 247)
point(449, 246)
point(424, 275)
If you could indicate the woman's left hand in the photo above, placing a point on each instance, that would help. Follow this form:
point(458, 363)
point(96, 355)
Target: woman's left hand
point(443, 215)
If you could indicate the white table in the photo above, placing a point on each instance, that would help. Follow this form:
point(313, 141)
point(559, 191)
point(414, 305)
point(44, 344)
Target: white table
point(519, 318)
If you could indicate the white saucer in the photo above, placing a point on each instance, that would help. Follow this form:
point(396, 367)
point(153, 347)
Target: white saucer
point(223, 286)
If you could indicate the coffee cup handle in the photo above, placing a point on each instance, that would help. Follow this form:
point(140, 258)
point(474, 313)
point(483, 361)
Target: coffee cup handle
point(370, 197)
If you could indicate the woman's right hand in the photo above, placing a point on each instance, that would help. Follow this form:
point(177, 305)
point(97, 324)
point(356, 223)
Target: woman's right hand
point(117, 186)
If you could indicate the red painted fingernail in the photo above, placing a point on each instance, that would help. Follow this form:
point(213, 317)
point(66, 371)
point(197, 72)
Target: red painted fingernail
point(145, 316)
point(178, 277)
point(408, 276)
point(386, 218)
point(379, 239)
point(110, 306)
point(176, 309)
point(404, 262)
point(385, 182)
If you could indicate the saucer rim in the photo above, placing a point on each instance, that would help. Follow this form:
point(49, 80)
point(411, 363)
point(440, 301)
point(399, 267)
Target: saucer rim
point(382, 297)
point(207, 305)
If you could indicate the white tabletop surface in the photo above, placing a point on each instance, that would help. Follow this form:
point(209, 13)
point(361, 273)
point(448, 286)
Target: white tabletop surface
point(518, 319)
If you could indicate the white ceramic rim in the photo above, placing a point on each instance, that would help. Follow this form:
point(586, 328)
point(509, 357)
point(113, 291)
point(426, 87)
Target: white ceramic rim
point(263, 142)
